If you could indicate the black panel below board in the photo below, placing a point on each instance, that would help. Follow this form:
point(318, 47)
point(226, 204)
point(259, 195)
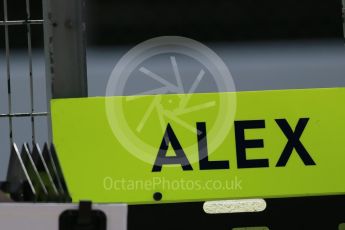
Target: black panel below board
point(306, 213)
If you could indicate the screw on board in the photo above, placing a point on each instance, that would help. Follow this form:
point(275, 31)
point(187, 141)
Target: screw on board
point(157, 196)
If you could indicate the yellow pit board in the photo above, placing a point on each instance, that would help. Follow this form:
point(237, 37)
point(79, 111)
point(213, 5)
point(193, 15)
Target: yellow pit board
point(196, 147)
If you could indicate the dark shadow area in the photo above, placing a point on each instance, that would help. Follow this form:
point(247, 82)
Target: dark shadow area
point(132, 21)
point(305, 213)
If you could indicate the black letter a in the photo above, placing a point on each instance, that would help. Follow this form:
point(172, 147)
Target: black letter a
point(180, 158)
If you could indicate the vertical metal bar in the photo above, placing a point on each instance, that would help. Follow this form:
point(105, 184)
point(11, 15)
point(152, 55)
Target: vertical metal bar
point(8, 70)
point(49, 61)
point(32, 109)
point(65, 41)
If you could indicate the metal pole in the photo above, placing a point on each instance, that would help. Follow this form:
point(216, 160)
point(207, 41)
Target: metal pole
point(8, 71)
point(32, 109)
point(65, 47)
point(48, 62)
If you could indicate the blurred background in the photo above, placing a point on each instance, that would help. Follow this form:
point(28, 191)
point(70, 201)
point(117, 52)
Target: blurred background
point(266, 44)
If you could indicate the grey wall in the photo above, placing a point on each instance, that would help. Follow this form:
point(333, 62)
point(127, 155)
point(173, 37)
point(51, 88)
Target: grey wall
point(254, 66)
